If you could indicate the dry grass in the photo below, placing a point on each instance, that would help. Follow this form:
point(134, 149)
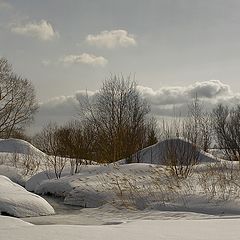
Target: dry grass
point(220, 181)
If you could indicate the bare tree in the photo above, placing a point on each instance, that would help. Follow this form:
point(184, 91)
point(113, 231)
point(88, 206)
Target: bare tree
point(119, 116)
point(76, 142)
point(198, 125)
point(227, 128)
point(17, 100)
point(180, 156)
point(48, 141)
point(153, 132)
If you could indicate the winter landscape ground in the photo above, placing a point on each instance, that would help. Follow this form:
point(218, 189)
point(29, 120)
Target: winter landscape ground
point(117, 201)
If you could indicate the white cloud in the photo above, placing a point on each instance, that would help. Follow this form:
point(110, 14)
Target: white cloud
point(209, 89)
point(210, 93)
point(84, 58)
point(112, 39)
point(162, 101)
point(206, 90)
point(42, 30)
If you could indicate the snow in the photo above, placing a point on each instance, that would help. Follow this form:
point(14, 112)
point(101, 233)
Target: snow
point(124, 201)
point(145, 186)
point(92, 187)
point(19, 160)
point(13, 145)
point(156, 154)
point(17, 201)
point(12, 223)
point(37, 179)
point(213, 229)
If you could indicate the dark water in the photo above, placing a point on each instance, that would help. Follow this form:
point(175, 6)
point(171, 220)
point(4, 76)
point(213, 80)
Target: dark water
point(61, 208)
point(70, 215)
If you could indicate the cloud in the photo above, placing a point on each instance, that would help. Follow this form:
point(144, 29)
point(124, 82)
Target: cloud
point(5, 5)
point(63, 105)
point(164, 102)
point(169, 101)
point(59, 109)
point(206, 90)
point(42, 30)
point(209, 89)
point(112, 39)
point(84, 58)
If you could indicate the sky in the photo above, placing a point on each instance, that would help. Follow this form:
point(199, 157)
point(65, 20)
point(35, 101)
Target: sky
point(172, 47)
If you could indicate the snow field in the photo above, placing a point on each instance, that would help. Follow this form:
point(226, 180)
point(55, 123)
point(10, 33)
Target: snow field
point(214, 229)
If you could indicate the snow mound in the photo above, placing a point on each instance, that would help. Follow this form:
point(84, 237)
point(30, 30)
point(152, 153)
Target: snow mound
point(146, 186)
point(158, 153)
point(13, 145)
point(95, 185)
point(37, 179)
point(17, 201)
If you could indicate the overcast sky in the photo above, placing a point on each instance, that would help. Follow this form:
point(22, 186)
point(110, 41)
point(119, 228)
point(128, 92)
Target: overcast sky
point(173, 47)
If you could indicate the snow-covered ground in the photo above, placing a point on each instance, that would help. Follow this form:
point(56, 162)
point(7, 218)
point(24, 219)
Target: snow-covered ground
point(120, 201)
point(214, 229)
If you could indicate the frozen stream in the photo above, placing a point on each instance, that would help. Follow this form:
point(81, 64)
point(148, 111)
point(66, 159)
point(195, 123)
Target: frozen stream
point(75, 215)
point(108, 215)
point(65, 214)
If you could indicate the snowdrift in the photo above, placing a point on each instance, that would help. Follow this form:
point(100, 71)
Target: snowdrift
point(17, 201)
point(142, 186)
point(19, 160)
point(94, 186)
point(13, 145)
point(158, 153)
point(40, 177)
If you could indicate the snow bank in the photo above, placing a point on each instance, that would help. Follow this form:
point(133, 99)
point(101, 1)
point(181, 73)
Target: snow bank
point(36, 180)
point(92, 187)
point(13, 145)
point(157, 153)
point(143, 186)
point(17, 201)
point(95, 185)
point(19, 160)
